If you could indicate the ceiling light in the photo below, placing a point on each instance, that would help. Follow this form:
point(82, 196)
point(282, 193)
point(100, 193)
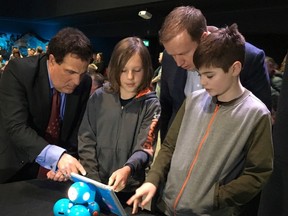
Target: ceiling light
point(145, 14)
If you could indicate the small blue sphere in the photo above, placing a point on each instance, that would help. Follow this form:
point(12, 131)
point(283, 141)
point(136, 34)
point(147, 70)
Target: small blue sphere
point(79, 193)
point(79, 210)
point(62, 206)
point(93, 207)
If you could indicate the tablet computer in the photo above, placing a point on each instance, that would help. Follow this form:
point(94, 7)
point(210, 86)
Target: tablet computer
point(104, 195)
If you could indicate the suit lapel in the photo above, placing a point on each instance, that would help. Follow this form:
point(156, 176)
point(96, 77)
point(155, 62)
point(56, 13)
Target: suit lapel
point(41, 91)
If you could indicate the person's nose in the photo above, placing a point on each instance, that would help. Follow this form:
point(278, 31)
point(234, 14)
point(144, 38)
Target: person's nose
point(179, 60)
point(77, 79)
point(203, 81)
point(130, 75)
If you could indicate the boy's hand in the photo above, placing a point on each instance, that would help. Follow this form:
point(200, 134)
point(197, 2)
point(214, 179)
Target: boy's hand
point(118, 179)
point(147, 190)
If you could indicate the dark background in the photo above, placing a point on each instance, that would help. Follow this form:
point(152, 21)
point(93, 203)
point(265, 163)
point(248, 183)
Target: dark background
point(264, 23)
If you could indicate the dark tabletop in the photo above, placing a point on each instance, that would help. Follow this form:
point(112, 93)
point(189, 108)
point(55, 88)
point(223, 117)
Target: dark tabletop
point(35, 197)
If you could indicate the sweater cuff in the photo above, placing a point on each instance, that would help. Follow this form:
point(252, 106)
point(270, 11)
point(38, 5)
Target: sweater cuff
point(131, 167)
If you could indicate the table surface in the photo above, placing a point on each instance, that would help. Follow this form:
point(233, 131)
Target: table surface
point(35, 197)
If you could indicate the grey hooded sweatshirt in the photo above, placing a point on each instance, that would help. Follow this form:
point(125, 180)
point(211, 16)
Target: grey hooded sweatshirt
point(110, 135)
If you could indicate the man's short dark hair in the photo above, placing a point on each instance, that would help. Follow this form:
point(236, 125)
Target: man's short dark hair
point(70, 40)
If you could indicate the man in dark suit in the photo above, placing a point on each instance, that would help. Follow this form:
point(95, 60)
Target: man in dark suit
point(25, 105)
point(180, 35)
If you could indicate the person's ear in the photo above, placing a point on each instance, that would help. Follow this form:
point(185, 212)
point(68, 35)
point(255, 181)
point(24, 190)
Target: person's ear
point(205, 34)
point(236, 68)
point(51, 59)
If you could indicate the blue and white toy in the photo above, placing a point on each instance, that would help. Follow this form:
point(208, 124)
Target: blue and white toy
point(62, 207)
point(81, 202)
point(79, 210)
point(94, 208)
point(79, 193)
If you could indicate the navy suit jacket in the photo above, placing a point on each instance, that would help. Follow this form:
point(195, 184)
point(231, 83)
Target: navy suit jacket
point(254, 77)
point(25, 107)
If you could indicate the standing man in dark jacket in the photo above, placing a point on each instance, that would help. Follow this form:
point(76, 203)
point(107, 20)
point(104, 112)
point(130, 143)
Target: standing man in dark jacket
point(25, 104)
point(180, 35)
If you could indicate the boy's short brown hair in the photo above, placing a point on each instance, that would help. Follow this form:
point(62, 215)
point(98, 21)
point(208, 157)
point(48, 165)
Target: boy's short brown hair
point(221, 49)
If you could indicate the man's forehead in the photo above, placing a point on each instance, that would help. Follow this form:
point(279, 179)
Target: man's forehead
point(72, 64)
point(180, 44)
point(180, 49)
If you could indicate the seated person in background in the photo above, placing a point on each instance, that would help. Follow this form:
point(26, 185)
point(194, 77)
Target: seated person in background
point(156, 81)
point(30, 52)
point(92, 68)
point(275, 82)
point(97, 78)
point(118, 131)
point(15, 53)
point(99, 62)
point(274, 75)
point(2, 64)
point(39, 50)
point(283, 65)
point(218, 153)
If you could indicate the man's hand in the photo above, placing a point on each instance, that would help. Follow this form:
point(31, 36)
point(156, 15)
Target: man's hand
point(57, 176)
point(66, 165)
point(118, 179)
point(147, 190)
